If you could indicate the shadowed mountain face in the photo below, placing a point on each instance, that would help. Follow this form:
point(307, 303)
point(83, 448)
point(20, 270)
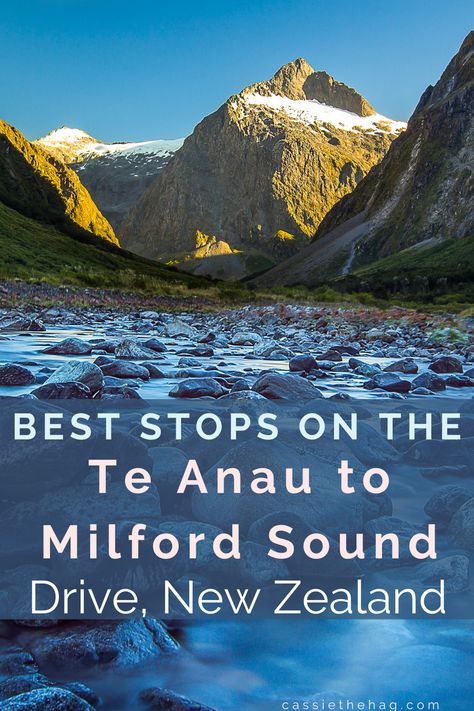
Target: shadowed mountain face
point(252, 183)
point(40, 186)
point(115, 174)
point(420, 195)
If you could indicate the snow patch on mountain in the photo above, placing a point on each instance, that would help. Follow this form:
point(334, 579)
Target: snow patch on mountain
point(75, 146)
point(161, 148)
point(310, 112)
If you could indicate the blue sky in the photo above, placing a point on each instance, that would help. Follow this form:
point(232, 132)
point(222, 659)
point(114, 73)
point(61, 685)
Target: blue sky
point(150, 69)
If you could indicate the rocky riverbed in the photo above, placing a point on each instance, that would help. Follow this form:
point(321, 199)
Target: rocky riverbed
point(279, 353)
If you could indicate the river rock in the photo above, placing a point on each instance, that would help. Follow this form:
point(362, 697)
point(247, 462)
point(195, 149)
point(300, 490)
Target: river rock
point(430, 381)
point(121, 644)
point(80, 372)
point(176, 327)
point(163, 699)
point(70, 346)
point(462, 525)
point(390, 524)
point(245, 338)
point(22, 683)
point(445, 501)
point(22, 324)
point(302, 363)
point(198, 352)
point(15, 375)
point(14, 660)
point(446, 364)
point(125, 392)
point(53, 698)
point(208, 338)
point(276, 386)
point(130, 349)
point(331, 355)
point(453, 569)
point(390, 382)
point(459, 381)
point(407, 366)
point(125, 369)
point(155, 345)
point(197, 387)
point(62, 391)
point(153, 371)
point(258, 568)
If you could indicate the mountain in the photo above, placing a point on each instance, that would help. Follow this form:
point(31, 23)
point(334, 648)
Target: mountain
point(414, 211)
point(31, 249)
point(40, 186)
point(115, 174)
point(252, 183)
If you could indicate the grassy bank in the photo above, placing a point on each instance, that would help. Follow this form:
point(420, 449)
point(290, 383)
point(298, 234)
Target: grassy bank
point(40, 255)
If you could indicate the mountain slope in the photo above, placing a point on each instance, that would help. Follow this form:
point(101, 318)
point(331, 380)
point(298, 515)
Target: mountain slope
point(421, 193)
point(32, 250)
point(259, 174)
point(115, 174)
point(40, 186)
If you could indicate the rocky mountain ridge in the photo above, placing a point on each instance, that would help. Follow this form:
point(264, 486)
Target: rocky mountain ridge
point(40, 186)
point(116, 174)
point(257, 176)
point(419, 197)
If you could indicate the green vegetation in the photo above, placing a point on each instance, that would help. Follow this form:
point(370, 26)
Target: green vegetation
point(39, 253)
point(31, 250)
point(39, 186)
point(439, 275)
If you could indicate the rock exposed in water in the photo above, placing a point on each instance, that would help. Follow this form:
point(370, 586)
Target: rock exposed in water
point(390, 382)
point(53, 698)
point(79, 371)
point(22, 324)
point(462, 525)
point(128, 348)
point(177, 327)
point(407, 366)
point(69, 346)
point(446, 364)
point(121, 644)
point(302, 363)
point(198, 387)
point(276, 386)
point(431, 381)
point(163, 699)
point(459, 381)
point(155, 345)
point(125, 369)
point(15, 660)
point(62, 391)
point(11, 375)
point(244, 338)
point(22, 683)
point(445, 501)
point(453, 569)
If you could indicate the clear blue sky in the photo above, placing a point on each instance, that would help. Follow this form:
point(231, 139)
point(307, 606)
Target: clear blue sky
point(143, 69)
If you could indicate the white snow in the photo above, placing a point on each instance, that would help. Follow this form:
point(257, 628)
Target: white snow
point(66, 135)
point(161, 148)
point(84, 146)
point(312, 111)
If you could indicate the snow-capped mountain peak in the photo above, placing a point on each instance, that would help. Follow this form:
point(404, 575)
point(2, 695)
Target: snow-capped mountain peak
point(72, 145)
point(115, 174)
point(311, 111)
